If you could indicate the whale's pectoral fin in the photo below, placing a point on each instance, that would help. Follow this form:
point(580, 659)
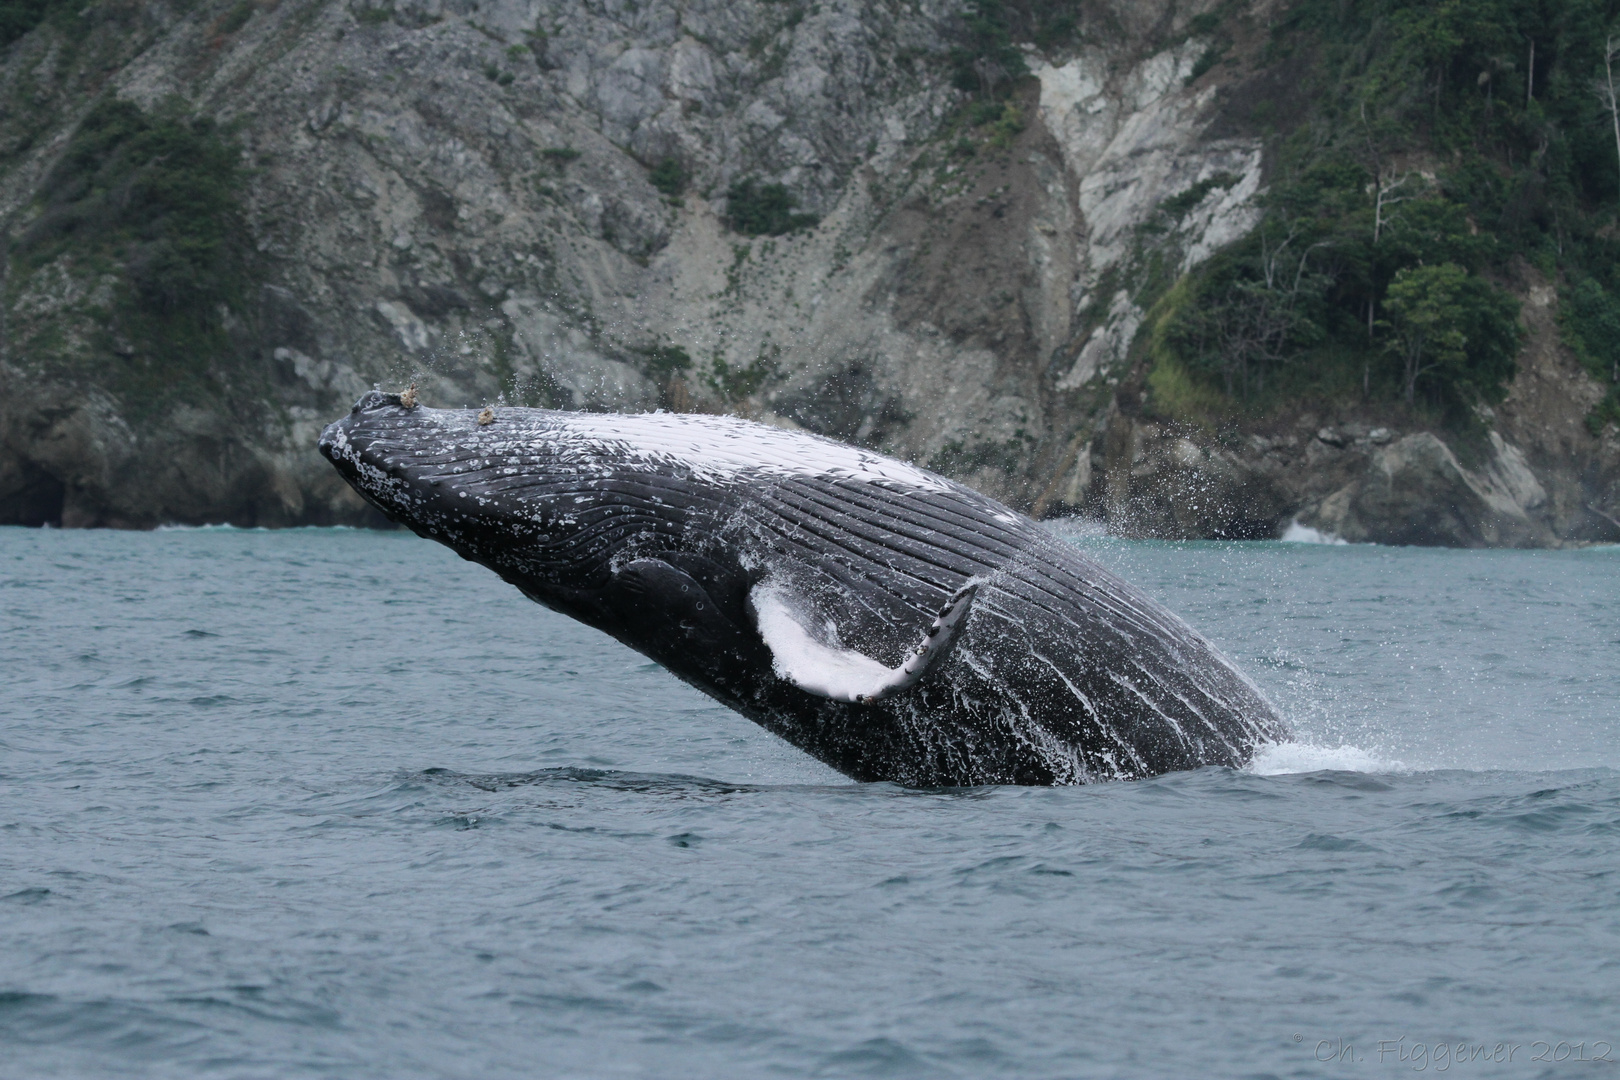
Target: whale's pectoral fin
point(817, 667)
point(667, 605)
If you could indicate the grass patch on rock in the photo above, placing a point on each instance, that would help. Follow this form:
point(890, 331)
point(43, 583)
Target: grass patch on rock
point(756, 209)
point(140, 241)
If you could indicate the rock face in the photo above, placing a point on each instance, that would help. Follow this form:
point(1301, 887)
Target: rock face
point(1348, 482)
point(1534, 476)
point(1415, 492)
point(461, 194)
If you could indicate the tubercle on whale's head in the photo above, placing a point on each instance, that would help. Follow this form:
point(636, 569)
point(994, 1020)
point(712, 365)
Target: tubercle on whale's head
point(377, 399)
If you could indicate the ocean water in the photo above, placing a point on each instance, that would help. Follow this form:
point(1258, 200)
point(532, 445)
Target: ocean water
point(326, 803)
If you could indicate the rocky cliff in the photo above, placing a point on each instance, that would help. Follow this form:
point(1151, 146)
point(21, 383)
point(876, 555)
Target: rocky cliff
point(537, 202)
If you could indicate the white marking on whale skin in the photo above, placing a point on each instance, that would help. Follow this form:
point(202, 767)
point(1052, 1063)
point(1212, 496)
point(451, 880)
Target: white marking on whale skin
point(828, 670)
point(719, 449)
point(377, 482)
point(813, 666)
point(1097, 721)
point(1069, 763)
point(1182, 737)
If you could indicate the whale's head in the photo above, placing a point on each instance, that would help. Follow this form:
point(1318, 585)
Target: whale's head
point(452, 474)
point(555, 501)
point(512, 489)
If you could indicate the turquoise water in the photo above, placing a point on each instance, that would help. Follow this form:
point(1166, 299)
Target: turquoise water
point(334, 803)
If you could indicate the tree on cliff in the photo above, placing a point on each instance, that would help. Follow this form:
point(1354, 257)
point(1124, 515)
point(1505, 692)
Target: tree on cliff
point(1445, 323)
point(1606, 90)
point(1495, 127)
point(1424, 321)
point(1253, 314)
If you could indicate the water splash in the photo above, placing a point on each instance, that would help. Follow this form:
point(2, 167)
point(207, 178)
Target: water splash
point(1304, 534)
point(1278, 759)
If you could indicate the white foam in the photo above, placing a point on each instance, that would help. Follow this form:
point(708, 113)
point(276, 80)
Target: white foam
point(718, 448)
point(1304, 534)
point(1278, 759)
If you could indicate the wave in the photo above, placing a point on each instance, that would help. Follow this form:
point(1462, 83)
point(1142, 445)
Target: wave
point(1304, 534)
point(229, 528)
point(1278, 759)
point(610, 779)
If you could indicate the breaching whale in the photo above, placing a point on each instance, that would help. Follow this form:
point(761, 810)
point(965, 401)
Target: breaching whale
point(892, 623)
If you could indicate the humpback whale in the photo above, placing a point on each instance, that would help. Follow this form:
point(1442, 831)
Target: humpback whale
point(895, 624)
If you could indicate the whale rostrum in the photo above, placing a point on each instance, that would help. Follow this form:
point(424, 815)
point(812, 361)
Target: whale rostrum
point(892, 623)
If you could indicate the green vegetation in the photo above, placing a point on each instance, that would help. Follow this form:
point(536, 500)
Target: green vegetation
point(159, 190)
point(1445, 322)
point(237, 17)
point(560, 156)
point(1592, 327)
point(1210, 57)
point(986, 59)
point(959, 458)
point(374, 16)
point(1179, 205)
point(668, 177)
point(733, 382)
point(1007, 123)
point(18, 17)
point(664, 362)
point(73, 22)
point(1249, 313)
point(152, 201)
point(1440, 156)
point(984, 123)
point(987, 64)
point(756, 209)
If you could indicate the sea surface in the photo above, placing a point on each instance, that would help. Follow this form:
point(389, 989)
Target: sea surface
point(330, 803)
